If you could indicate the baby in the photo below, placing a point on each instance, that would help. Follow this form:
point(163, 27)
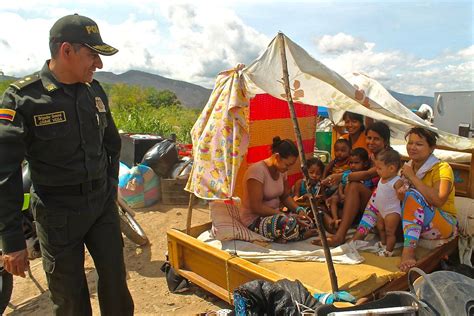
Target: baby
point(383, 209)
point(342, 150)
point(358, 161)
point(315, 172)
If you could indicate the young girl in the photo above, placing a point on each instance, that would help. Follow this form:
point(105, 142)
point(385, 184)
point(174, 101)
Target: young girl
point(315, 172)
point(358, 161)
point(384, 208)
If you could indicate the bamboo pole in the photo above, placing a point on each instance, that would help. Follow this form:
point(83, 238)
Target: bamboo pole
point(317, 214)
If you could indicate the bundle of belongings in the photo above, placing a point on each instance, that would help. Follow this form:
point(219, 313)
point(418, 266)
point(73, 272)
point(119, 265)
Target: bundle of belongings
point(438, 293)
point(139, 186)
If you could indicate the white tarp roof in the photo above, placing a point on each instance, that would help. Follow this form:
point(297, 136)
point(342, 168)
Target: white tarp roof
point(315, 84)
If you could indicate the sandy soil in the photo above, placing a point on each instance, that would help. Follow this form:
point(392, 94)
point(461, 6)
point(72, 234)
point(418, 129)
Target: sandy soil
point(145, 280)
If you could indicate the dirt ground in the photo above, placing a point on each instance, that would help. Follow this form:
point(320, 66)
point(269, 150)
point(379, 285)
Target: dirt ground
point(146, 282)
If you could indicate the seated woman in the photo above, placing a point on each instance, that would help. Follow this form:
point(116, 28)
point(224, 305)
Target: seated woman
point(356, 193)
point(428, 209)
point(354, 125)
point(265, 188)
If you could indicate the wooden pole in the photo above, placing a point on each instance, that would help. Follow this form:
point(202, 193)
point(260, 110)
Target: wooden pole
point(470, 185)
point(317, 214)
point(190, 213)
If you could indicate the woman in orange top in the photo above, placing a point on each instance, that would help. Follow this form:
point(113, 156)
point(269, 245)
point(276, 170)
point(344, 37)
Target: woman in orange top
point(354, 125)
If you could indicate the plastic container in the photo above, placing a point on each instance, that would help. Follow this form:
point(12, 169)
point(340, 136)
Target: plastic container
point(323, 141)
point(447, 292)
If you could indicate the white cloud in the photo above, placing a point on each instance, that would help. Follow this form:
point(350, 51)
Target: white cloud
point(191, 42)
point(339, 43)
point(20, 52)
point(467, 53)
point(397, 70)
point(209, 41)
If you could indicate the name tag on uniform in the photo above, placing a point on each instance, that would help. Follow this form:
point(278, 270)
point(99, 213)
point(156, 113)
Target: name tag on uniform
point(50, 118)
point(99, 105)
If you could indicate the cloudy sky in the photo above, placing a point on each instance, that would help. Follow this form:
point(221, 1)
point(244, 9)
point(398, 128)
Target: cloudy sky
point(415, 47)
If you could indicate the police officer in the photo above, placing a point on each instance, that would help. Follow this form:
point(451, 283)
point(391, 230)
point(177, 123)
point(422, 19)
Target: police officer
point(60, 121)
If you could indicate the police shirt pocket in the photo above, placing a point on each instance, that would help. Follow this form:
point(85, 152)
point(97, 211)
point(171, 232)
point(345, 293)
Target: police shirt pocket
point(51, 132)
point(101, 120)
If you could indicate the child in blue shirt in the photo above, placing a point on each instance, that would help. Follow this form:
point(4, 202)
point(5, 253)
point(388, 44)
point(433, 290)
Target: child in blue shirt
point(315, 172)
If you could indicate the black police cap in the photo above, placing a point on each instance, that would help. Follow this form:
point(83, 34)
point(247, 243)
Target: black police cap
point(76, 28)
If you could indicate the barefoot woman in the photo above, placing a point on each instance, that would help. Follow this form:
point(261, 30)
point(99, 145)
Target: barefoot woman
point(357, 194)
point(428, 209)
point(265, 188)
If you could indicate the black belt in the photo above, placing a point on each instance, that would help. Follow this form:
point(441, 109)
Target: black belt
point(73, 189)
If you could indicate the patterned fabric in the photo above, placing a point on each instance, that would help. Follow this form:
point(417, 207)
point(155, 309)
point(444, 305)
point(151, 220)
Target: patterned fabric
point(423, 220)
point(270, 117)
point(280, 226)
point(226, 223)
point(369, 219)
point(138, 186)
point(220, 139)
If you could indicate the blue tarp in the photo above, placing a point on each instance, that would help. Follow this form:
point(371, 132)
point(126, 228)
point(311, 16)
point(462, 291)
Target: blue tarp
point(323, 111)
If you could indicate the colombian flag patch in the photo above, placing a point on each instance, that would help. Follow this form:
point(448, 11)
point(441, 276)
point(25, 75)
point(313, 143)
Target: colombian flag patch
point(7, 114)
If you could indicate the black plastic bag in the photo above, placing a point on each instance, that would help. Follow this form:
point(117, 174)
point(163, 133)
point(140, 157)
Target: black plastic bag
point(453, 264)
point(161, 157)
point(175, 282)
point(279, 298)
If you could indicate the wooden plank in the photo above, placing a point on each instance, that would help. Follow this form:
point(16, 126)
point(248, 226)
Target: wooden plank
point(453, 149)
point(195, 231)
point(463, 177)
point(206, 285)
point(213, 269)
point(428, 264)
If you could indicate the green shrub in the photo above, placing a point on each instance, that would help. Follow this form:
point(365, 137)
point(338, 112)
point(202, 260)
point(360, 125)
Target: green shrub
point(147, 110)
point(4, 85)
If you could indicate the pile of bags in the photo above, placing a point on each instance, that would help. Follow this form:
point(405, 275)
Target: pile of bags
point(139, 186)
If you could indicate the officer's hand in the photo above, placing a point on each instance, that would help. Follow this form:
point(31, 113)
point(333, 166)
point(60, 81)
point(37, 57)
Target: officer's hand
point(16, 263)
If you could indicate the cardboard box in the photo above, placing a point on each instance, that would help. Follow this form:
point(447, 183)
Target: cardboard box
point(172, 191)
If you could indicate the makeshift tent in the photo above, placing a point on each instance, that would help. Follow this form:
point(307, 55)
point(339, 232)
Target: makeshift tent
point(220, 136)
point(221, 139)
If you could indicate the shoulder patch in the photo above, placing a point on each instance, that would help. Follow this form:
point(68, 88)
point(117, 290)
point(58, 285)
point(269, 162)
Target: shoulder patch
point(7, 114)
point(25, 81)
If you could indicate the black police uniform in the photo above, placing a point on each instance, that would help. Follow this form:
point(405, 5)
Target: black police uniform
point(67, 134)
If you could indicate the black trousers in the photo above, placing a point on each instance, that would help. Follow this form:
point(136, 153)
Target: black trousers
point(65, 223)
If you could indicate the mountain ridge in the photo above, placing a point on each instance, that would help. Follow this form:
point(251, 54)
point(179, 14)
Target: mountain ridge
point(191, 95)
point(195, 96)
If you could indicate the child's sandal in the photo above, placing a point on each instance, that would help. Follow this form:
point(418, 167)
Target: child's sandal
point(385, 253)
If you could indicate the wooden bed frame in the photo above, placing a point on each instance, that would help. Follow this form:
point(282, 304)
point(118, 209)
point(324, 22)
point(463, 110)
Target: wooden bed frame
point(220, 273)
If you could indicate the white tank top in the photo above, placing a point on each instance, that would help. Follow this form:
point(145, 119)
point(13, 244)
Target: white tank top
point(386, 200)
